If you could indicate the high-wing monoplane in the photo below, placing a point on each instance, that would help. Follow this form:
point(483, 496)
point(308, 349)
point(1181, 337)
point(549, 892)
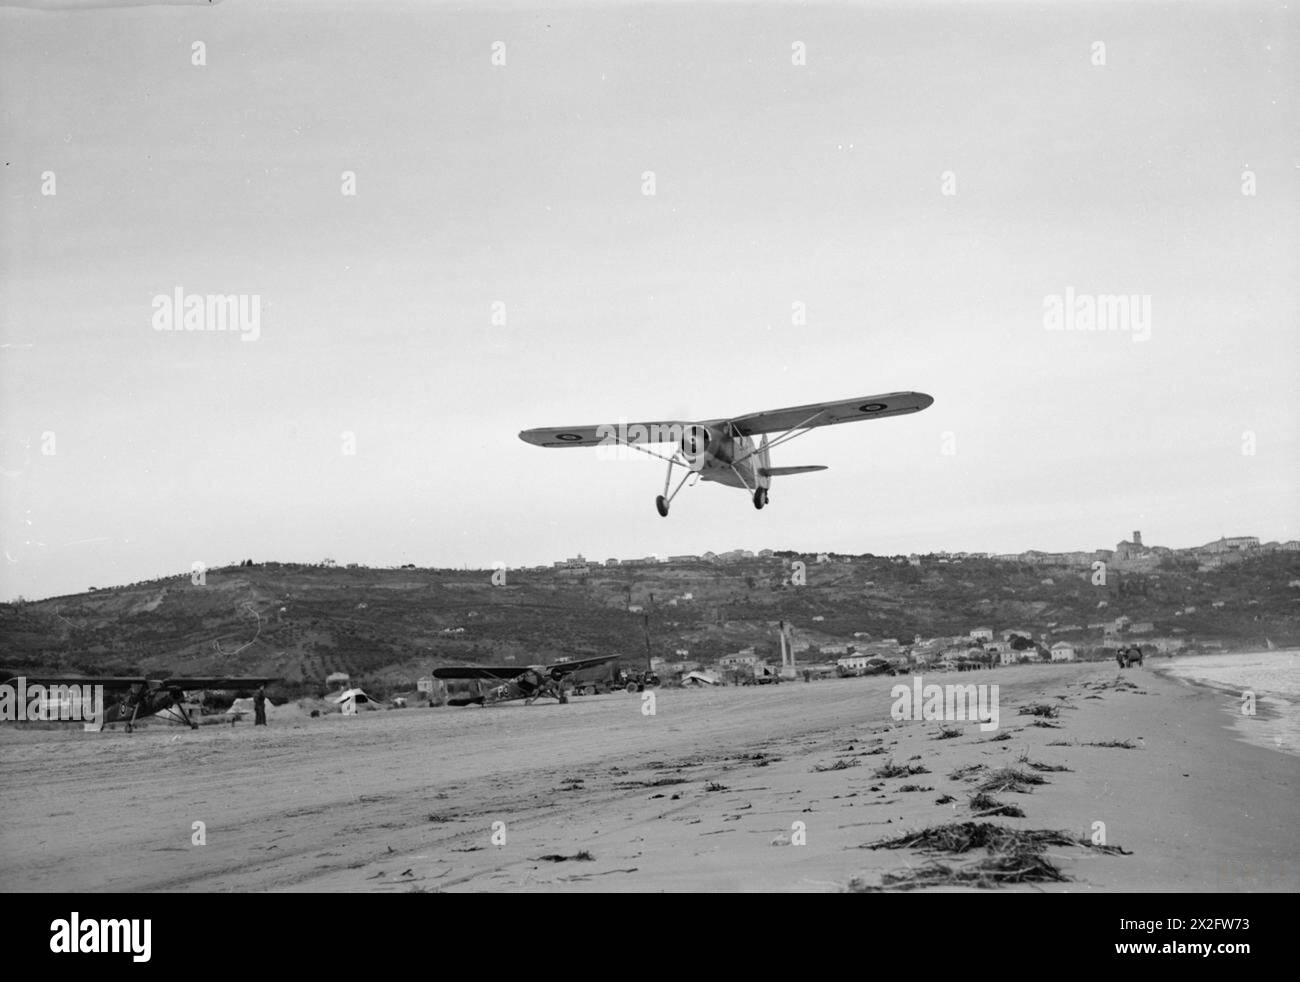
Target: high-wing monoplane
point(483, 685)
point(723, 450)
point(131, 698)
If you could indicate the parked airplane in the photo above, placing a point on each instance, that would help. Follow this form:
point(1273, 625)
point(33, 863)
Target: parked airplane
point(723, 450)
point(131, 698)
point(484, 685)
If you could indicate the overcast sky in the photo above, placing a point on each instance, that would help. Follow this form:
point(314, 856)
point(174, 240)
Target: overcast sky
point(130, 452)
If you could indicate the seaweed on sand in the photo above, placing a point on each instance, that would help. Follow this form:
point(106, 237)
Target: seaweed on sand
point(840, 765)
point(1009, 779)
point(1043, 709)
point(985, 804)
point(1013, 856)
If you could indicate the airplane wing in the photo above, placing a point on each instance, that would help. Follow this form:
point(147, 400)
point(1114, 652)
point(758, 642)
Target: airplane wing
point(215, 682)
point(107, 681)
point(604, 433)
point(828, 413)
point(569, 667)
point(479, 672)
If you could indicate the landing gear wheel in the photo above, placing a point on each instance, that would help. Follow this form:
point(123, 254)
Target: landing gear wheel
point(760, 497)
point(661, 503)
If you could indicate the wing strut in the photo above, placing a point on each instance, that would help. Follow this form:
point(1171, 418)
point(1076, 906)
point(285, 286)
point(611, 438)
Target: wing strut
point(795, 431)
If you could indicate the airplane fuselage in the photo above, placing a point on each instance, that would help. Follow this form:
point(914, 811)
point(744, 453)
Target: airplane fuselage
point(722, 457)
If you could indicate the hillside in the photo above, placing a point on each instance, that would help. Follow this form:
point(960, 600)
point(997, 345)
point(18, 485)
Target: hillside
point(300, 622)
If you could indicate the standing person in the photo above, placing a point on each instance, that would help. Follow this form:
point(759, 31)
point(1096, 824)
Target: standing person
point(259, 706)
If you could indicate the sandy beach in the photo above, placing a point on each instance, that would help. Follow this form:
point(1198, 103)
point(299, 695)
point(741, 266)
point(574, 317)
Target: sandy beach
point(703, 795)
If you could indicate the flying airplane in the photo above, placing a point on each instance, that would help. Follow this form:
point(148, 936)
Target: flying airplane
point(723, 450)
point(131, 698)
point(513, 682)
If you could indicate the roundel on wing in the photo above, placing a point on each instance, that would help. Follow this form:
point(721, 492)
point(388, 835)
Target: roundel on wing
point(871, 407)
point(569, 437)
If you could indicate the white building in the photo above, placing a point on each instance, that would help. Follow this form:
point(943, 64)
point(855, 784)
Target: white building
point(1062, 651)
point(982, 634)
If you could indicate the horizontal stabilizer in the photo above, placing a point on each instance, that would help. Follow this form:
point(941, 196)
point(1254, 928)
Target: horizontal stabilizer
point(787, 471)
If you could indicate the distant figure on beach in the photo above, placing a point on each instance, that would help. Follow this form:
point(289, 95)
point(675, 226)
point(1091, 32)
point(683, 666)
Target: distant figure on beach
point(1127, 656)
point(259, 706)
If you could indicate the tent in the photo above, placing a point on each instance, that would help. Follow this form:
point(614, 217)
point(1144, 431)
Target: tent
point(698, 678)
point(349, 699)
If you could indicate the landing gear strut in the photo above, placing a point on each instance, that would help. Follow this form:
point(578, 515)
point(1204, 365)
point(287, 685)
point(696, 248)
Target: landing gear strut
point(662, 502)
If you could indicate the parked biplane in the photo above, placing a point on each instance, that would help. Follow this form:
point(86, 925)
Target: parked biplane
point(128, 699)
point(723, 450)
point(484, 685)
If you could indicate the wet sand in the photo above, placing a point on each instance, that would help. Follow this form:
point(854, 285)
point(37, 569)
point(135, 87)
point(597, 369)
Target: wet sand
point(702, 796)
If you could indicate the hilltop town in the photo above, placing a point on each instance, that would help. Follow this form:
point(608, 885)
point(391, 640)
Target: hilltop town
point(1130, 555)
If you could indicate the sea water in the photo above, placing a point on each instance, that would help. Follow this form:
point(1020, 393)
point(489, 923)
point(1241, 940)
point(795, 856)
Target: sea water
point(1274, 678)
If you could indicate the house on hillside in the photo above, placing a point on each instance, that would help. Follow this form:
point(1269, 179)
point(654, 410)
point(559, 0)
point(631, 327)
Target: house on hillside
point(982, 634)
point(1062, 651)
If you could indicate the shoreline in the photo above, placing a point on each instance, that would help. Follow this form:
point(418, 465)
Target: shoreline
point(1275, 725)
